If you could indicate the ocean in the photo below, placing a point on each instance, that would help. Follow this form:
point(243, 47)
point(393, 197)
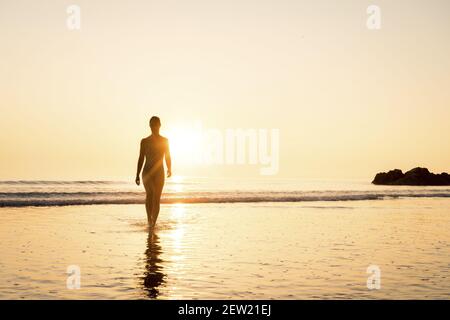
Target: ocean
point(204, 190)
point(224, 239)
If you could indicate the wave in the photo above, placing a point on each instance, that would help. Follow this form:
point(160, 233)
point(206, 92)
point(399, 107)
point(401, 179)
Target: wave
point(40, 199)
point(56, 182)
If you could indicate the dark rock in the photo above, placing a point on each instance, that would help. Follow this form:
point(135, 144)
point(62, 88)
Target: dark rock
point(388, 178)
point(414, 177)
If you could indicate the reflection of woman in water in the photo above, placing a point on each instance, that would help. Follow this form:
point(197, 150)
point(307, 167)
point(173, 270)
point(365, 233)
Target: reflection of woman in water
point(153, 276)
point(154, 149)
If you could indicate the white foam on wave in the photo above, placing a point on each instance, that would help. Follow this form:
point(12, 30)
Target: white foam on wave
point(23, 199)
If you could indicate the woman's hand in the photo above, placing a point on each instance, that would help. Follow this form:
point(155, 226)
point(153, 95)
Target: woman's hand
point(169, 173)
point(138, 180)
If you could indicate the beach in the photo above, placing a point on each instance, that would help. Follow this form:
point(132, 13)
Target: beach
point(261, 250)
point(293, 150)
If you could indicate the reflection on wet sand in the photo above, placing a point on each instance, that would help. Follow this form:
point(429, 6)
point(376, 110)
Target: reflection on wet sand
point(153, 275)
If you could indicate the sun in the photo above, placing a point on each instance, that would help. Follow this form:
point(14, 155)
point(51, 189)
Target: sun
point(185, 145)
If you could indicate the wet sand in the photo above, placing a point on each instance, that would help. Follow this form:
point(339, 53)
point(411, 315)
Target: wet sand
point(314, 250)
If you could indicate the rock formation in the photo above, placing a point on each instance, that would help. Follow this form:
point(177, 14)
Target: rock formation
point(414, 177)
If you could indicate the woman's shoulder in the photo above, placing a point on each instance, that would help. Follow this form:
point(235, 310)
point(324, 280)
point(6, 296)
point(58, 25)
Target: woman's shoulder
point(164, 139)
point(149, 139)
point(144, 140)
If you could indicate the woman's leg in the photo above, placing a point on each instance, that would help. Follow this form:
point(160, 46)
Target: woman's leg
point(158, 184)
point(149, 206)
point(149, 200)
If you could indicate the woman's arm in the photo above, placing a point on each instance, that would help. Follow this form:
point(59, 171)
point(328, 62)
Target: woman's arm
point(168, 160)
point(140, 163)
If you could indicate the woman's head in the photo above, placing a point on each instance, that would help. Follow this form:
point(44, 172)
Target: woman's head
point(155, 124)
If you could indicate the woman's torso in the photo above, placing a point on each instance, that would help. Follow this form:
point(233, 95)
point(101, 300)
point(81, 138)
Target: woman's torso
point(154, 150)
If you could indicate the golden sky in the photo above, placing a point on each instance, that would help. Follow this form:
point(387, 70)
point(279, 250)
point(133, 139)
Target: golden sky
point(348, 101)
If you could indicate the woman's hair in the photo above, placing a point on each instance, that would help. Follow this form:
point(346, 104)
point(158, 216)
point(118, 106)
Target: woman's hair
point(155, 122)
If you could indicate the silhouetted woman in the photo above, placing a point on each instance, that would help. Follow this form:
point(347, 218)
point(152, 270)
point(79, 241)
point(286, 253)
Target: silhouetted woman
point(154, 149)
